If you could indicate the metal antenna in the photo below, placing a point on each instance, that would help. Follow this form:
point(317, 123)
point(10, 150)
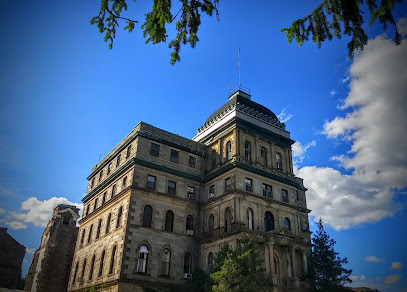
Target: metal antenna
point(238, 53)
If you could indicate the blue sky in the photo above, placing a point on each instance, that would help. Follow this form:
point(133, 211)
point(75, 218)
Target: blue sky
point(66, 100)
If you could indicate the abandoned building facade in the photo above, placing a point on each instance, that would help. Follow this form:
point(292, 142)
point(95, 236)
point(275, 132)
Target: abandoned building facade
point(51, 264)
point(159, 206)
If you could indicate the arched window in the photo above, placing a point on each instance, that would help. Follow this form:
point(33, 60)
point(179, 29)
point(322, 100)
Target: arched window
point(169, 221)
point(98, 230)
point(118, 160)
point(279, 165)
point(247, 151)
point(287, 223)
point(228, 151)
point(83, 268)
point(228, 219)
point(102, 260)
point(210, 260)
point(128, 151)
point(214, 157)
point(142, 260)
point(108, 223)
point(92, 266)
point(83, 236)
point(268, 221)
point(190, 223)
point(165, 262)
point(263, 154)
point(119, 217)
point(95, 205)
point(249, 216)
point(90, 233)
point(147, 216)
point(187, 262)
point(112, 259)
point(211, 224)
point(76, 272)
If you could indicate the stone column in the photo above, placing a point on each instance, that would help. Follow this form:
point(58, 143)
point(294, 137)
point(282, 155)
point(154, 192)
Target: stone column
point(293, 262)
point(304, 261)
point(267, 258)
point(271, 258)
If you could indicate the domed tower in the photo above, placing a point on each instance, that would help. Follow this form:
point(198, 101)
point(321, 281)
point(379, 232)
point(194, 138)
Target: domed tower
point(251, 189)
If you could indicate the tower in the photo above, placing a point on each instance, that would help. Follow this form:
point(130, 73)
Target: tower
point(51, 264)
point(159, 206)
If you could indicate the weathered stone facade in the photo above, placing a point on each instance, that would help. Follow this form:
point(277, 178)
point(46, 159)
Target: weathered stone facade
point(11, 258)
point(51, 264)
point(159, 206)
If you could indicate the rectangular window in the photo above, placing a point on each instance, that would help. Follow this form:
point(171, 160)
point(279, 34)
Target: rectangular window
point(212, 191)
point(171, 187)
point(155, 150)
point(191, 193)
point(267, 191)
point(284, 196)
point(192, 161)
point(151, 182)
point(297, 196)
point(109, 168)
point(228, 184)
point(174, 156)
point(113, 190)
point(249, 185)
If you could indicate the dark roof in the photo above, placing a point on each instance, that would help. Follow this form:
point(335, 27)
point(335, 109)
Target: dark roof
point(245, 101)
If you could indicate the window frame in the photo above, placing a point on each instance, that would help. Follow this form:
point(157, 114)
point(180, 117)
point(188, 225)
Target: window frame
point(151, 183)
point(147, 220)
point(247, 151)
point(267, 193)
point(191, 192)
point(192, 161)
point(228, 151)
point(269, 219)
point(169, 221)
point(165, 262)
point(174, 156)
point(263, 155)
point(228, 184)
point(172, 190)
point(284, 196)
point(155, 149)
point(118, 159)
point(142, 259)
point(128, 152)
point(249, 185)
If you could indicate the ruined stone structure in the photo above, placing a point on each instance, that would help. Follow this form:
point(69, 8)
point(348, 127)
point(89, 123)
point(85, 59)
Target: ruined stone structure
point(11, 258)
point(159, 206)
point(51, 264)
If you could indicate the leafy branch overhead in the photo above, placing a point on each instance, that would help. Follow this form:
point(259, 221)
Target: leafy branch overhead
point(188, 20)
point(347, 13)
point(330, 18)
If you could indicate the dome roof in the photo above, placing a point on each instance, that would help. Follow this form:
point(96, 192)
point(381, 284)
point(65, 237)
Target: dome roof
point(242, 100)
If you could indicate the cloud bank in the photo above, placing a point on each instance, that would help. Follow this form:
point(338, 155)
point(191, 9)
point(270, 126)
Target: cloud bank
point(375, 126)
point(35, 211)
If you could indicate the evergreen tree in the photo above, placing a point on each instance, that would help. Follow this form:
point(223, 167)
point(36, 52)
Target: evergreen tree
point(326, 270)
point(238, 270)
point(330, 18)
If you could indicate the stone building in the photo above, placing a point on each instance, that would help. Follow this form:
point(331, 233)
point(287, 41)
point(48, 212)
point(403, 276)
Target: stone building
point(11, 257)
point(159, 206)
point(51, 264)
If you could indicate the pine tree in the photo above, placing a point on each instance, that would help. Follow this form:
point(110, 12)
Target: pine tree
point(238, 270)
point(326, 270)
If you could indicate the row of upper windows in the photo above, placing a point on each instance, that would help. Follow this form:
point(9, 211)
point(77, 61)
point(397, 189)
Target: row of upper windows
point(95, 203)
point(267, 189)
point(147, 220)
point(99, 227)
point(171, 187)
point(248, 155)
point(174, 156)
point(109, 167)
point(268, 221)
point(92, 267)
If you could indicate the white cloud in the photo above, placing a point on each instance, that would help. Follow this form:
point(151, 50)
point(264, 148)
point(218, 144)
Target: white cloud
point(333, 92)
point(393, 279)
point(362, 278)
point(377, 160)
point(284, 117)
point(30, 250)
point(36, 212)
point(2, 211)
point(373, 259)
point(16, 225)
point(346, 79)
point(396, 265)
point(354, 278)
point(402, 26)
point(299, 150)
